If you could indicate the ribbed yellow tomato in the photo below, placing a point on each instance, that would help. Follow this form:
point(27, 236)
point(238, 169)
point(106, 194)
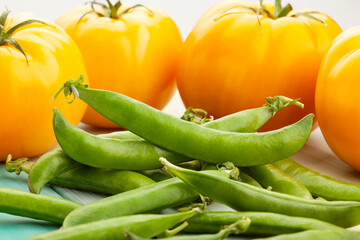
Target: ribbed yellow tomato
point(27, 89)
point(233, 58)
point(130, 50)
point(337, 97)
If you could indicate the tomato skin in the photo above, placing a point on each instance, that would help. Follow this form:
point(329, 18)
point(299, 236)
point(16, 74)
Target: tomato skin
point(27, 90)
point(337, 97)
point(135, 55)
point(230, 64)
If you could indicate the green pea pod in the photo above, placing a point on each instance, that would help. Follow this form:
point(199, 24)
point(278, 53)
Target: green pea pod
point(104, 181)
point(158, 196)
point(251, 120)
point(318, 235)
point(238, 227)
point(270, 176)
point(244, 197)
point(262, 223)
point(318, 184)
point(35, 206)
point(106, 152)
point(56, 162)
point(189, 139)
point(146, 226)
point(43, 172)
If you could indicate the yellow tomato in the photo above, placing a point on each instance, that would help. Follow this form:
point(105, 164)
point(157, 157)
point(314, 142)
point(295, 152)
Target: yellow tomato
point(134, 54)
point(337, 97)
point(233, 58)
point(27, 88)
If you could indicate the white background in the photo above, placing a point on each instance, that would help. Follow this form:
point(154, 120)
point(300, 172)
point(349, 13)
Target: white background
point(186, 12)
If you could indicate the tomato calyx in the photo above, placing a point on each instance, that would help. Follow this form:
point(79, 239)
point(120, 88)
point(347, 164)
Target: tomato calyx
point(5, 36)
point(110, 10)
point(279, 12)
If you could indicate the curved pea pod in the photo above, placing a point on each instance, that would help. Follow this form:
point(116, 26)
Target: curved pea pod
point(318, 235)
point(318, 184)
point(272, 177)
point(247, 121)
point(192, 140)
point(106, 152)
point(158, 196)
point(56, 162)
point(262, 223)
point(47, 167)
point(145, 226)
point(244, 197)
point(106, 181)
point(238, 227)
point(35, 206)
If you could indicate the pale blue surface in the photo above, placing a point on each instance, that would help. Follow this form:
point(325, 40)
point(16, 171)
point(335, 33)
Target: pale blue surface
point(14, 227)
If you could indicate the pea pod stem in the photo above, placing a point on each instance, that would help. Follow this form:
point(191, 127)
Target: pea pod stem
point(35, 206)
point(168, 132)
point(232, 193)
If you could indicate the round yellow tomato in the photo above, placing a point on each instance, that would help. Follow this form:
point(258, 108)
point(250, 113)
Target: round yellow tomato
point(234, 58)
point(29, 83)
point(337, 97)
point(130, 50)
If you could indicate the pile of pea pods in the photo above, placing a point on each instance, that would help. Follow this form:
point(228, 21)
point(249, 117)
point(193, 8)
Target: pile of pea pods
point(163, 171)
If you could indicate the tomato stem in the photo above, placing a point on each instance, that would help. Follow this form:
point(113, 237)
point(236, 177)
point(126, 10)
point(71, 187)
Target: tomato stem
point(110, 10)
point(5, 36)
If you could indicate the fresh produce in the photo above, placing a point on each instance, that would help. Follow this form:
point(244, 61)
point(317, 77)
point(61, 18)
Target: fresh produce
point(272, 177)
point(238, 227)
point(154, 197)
point(318, 184)
point(241, 196)
point(173, 134)
point(146, 226)
point(56, 162)
point(36, 206)
point(128, 49)
point(106, 152)
point(47, 167)
point(240, 52)
point(35, 58)
point(262, 223)
point(104, 181)
point(139, 154)
point(337, 93)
